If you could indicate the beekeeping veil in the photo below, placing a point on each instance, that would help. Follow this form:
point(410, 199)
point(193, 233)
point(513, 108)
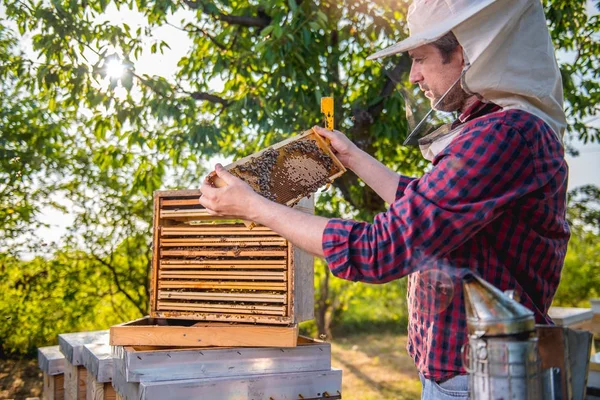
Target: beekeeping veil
point(508, 52)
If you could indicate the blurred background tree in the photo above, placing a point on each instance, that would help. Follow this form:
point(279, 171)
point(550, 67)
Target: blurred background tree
point(74, 129)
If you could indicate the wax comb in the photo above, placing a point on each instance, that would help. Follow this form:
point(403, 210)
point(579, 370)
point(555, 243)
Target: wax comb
point(289, 170)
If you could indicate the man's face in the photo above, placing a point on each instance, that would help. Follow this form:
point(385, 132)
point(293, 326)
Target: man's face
point(435, 76)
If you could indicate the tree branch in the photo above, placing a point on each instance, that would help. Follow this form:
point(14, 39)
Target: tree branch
point(363, 120)
point(262, 20)
point(117, 282)
point(209, 97)
point(202, 31)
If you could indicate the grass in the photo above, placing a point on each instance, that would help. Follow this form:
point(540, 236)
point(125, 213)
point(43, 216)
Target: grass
point(374, 365)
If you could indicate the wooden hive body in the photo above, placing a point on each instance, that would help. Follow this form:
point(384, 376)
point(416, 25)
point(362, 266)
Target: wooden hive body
point(216, 269)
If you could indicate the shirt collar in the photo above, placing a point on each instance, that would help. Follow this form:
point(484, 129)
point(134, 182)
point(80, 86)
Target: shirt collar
point(476, 110)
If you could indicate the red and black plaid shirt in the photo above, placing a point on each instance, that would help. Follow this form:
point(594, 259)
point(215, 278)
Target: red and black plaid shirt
point(494, 202)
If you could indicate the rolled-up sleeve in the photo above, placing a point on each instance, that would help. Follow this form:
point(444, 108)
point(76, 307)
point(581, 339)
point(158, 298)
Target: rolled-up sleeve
point(402, 185)
point(472, 181)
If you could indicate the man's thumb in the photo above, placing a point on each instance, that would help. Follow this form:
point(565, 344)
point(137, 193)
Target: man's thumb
point(224, 174)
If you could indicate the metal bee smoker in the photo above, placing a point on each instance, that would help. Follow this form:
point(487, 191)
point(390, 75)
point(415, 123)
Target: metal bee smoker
point(502, 356)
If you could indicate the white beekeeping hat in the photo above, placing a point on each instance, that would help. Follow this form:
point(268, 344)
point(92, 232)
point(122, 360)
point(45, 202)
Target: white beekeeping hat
point(507, 45)
point(429, 20)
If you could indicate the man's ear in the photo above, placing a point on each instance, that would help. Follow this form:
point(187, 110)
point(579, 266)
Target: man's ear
point(460, 53)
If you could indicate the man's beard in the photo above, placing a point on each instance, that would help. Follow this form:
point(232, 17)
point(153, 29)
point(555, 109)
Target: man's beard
point(453, 101)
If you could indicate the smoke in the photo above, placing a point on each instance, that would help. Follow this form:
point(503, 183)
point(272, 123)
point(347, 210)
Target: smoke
point(435, 283)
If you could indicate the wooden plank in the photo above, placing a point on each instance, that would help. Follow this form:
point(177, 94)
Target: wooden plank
point(241, 266)
point(149, 363)
point(571, 316)
point(187, 212)
point(221, 308)
point(74, 381)
point(267, 286)
point(204, 335)
point(595, 328)
point(236, 275)
point(192, 215)
point(240, 252)
point(224, 264)
point(162, 194)
point(155, 251)
point(218, 229)
point(53, 387)
point(228, 318)
point(99, 390)
point(303, 291)
point(97, 360)
point(214, 232)
point(59, 387)
point(181, 202)
point(254, 243)
point(313, 385)
point(70, 381)
point(225, 239)
point(81, 382)
point(51, 360)
point(212, 296)
point(290, 281)
point(71, 344)
point(109, 392)
point(94, 389)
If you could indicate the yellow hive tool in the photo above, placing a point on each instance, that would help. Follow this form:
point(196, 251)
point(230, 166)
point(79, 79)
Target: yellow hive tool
point(327, 109)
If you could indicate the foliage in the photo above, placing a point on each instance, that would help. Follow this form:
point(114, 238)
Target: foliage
point(580, 280)
point(33, 142)
point(575, 29)
point(41, 298)
point(254, 74)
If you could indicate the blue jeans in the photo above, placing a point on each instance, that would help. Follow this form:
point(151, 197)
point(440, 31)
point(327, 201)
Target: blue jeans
point(455, 388)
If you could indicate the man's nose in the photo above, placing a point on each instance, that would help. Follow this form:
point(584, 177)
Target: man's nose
point(415, 75)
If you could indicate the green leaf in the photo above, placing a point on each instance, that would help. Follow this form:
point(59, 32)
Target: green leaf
point(266, 31)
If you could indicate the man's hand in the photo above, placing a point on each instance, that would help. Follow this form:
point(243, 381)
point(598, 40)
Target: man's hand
point(237, 199)
point(380, 178)
point(344, 149)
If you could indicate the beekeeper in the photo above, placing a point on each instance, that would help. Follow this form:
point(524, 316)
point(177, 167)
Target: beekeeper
point(494, 200)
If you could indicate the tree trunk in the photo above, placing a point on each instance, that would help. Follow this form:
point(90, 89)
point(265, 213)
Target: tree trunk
point(323, 305)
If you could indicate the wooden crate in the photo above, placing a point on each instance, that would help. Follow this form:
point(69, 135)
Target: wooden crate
point(171, 332)
point(572, 317)
point(216, 269)
point(151, 363)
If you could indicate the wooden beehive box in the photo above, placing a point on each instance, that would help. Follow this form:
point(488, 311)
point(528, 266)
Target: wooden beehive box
point(216, 269)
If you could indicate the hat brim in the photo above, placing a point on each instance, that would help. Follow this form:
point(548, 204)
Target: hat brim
point(432, 34)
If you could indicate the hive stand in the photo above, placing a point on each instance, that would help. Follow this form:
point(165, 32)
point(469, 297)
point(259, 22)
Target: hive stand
point(593, 384)
point(225, 373)
point(52, 363)
point(98, 362)
point(75, 375)
point(143, 363)
point(572, 317)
